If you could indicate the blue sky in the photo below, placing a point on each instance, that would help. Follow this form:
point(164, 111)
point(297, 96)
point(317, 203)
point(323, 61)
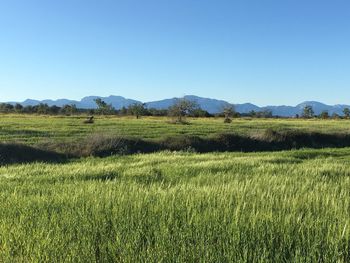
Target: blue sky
point(262, 51)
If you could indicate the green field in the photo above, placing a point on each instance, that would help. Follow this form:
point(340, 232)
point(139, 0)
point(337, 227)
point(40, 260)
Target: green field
point(32, 129)
point(228, 207)
point(286, 206)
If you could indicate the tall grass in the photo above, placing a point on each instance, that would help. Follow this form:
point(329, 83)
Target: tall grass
point(291, 206)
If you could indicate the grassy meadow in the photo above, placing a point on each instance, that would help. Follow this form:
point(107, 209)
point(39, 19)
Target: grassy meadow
point(174, 206)
point(31, 129)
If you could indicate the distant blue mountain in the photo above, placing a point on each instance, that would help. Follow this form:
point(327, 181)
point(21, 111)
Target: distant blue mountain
point(161, 104)
point(85, 103)
point(60, 102)
point(117, 102)
point(211, 105)
point(246, 108)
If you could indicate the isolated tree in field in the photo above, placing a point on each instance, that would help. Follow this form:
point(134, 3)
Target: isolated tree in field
point(103, 108)
point(324, 115)
point(181, 109)
point(308, 112)
point(346, 112)
point(137, 109)
point(229, 112)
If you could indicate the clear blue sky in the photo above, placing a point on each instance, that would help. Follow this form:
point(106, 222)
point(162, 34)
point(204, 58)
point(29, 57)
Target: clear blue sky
point(262, 51)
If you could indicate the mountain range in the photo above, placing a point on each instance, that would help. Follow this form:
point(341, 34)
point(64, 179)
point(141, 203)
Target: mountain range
point(211, 105)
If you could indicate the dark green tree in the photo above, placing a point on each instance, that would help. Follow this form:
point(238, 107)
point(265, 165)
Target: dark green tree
point(308, 112)
point(54, 110)
point(137, 109)
point(252, 113)
point(18, 108)
point(69, 109)
point(200, 113)
point(335, 116)
point(104, 108)
point(229, 112)
point(346, 112)
point(29, 109)
point(42, 108)
point(123, 111)
point(181, 109)
point(264, 114)
point(324, 115)
point(6, 108)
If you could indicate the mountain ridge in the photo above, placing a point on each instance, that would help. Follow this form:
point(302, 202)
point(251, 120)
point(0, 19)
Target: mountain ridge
point(209, 104)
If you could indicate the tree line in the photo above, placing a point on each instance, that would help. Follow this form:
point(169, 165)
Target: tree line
point(181, 109)
point(308, 113)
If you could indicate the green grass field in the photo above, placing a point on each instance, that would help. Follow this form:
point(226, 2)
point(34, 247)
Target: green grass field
point(229, 207)
point(287, 206)
point(31, 129)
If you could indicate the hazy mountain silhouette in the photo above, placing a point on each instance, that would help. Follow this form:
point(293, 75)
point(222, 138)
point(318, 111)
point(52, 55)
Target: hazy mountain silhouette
point(117, 102)
point(208, 104)
point(85, 103)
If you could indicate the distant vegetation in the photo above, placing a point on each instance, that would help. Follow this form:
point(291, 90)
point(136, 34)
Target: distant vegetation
point(181, 108)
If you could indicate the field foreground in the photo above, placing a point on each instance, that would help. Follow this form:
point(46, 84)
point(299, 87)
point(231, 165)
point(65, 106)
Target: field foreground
point(168, 206)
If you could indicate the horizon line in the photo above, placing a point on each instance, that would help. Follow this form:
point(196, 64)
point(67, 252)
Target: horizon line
point(175, 97)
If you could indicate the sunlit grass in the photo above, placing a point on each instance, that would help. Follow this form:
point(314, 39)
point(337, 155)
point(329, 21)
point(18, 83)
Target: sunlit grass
point(32, 129)
point(289, 206)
